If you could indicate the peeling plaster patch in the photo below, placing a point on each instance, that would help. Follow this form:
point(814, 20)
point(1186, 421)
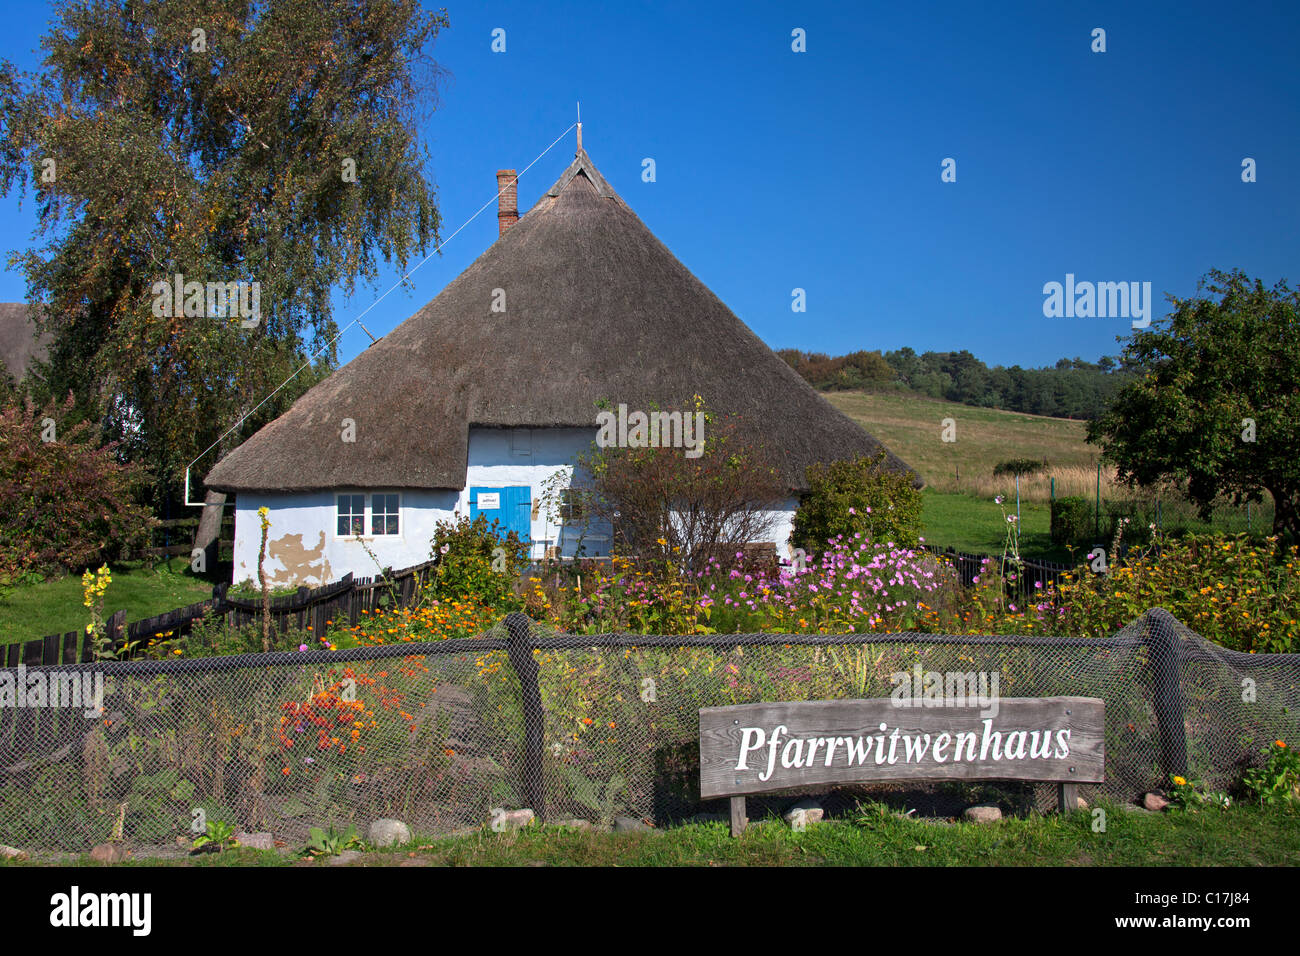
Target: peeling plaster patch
point(298, 565)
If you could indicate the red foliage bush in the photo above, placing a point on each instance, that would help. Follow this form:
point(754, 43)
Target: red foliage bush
point(66, 503)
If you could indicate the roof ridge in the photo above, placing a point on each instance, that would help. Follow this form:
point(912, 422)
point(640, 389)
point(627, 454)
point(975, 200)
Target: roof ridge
point(582, 164)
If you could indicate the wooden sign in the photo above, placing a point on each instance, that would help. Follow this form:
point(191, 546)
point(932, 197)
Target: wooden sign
point(759, 748)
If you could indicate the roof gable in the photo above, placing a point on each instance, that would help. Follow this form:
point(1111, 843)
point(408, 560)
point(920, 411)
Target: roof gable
point(583, 165)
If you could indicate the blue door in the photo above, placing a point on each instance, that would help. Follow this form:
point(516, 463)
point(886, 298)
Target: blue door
point(511, 508)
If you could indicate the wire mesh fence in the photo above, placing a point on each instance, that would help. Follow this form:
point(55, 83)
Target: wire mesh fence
point(441, 735)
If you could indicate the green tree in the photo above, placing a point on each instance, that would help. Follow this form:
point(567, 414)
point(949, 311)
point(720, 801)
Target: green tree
point(1216, 400)
point(226, 142)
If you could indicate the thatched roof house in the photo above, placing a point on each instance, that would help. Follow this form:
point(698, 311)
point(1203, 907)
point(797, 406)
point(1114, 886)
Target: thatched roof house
point(576, 303)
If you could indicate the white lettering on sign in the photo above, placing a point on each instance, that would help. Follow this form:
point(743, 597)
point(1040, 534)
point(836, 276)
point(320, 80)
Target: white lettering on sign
point(489, 499)
point(758, 748)
point(915, 747)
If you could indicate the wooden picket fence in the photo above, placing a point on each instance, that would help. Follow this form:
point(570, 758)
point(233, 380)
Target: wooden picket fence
point(339, 604)
point(175, 538)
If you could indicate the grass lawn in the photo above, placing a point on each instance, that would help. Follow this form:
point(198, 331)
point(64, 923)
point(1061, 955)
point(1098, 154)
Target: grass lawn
point(1242, 836)
point(978, 526)
point(55, 606)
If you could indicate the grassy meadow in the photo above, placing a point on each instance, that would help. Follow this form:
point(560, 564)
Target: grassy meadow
point(56, 606)
point(910, 425)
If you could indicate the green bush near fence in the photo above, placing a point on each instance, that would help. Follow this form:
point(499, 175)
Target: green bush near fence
point(1073, 520)
point(857, 497)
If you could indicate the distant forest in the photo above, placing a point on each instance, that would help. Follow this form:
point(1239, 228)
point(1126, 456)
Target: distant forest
point(1072, 388)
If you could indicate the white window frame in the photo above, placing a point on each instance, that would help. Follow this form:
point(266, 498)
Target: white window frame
point(398, 513)
point(367, 515)
point(350, 514)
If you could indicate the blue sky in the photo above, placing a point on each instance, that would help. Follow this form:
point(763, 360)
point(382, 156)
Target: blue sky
point(821, 170)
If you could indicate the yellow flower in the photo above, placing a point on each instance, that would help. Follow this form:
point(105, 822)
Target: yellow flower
point(1180, 781)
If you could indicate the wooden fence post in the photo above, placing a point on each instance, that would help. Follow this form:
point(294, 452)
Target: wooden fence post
point(115, 631)
point(520, 652)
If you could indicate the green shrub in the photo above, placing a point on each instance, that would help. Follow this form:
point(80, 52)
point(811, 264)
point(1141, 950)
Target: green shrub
point(1277, 782)
point(858, 497)
point(1230, 590)
point(1073, 521)
point(477, 560)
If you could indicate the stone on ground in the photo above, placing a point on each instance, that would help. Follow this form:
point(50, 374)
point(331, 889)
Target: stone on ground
point(804, 812)
point(1154, 801)
point(983, 814)
point(387, 831)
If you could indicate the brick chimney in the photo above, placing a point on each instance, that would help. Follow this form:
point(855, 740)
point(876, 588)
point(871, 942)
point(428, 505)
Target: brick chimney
point(507, 200)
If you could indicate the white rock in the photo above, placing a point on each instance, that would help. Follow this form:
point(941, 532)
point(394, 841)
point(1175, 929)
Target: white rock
point(804, 812)
point(983, 814)
point(255, 841)
point(511, 819)
point(387, 831)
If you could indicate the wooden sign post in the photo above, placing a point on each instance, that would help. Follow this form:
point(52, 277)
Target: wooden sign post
point(761, 748)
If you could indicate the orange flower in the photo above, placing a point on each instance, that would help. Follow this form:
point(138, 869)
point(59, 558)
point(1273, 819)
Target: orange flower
point(1280, 743)
point(285, 771)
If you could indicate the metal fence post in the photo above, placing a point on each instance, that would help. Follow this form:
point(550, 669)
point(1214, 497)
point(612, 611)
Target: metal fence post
point(520, 651)
point(1167, 690)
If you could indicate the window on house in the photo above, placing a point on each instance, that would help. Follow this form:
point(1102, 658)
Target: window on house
point(570, 505)
point(521, 441)
point(352, 515)
point(383, 514)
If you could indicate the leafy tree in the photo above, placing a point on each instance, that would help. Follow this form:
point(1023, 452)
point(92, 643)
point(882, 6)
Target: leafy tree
point(268, 142)
point(1020, 467)
point(1216, 364)
point(679, 509)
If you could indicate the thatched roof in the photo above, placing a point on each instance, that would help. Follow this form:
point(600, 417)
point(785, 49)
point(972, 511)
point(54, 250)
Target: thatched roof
point(597, 309)
point(19, 343)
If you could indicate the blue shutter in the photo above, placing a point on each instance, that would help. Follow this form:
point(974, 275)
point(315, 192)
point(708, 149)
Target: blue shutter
point(515, 513)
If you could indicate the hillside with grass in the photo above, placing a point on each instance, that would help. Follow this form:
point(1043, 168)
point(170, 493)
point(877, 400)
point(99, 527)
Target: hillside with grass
point(960, 511)
point(911, 426)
